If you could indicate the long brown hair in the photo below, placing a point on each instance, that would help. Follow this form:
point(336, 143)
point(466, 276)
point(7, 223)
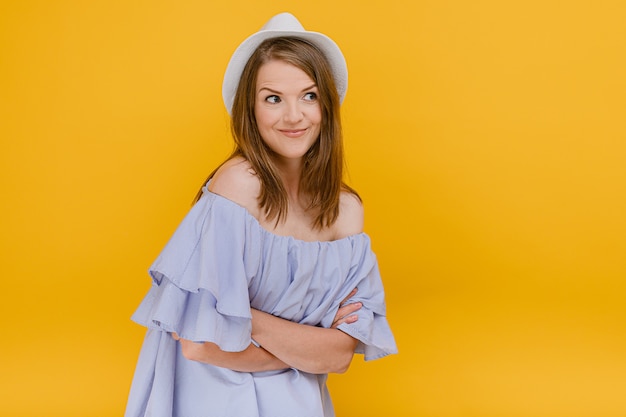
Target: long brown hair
point(321, 180)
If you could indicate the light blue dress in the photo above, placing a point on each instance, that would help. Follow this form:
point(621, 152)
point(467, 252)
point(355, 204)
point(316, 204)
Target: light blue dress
point(218, 264)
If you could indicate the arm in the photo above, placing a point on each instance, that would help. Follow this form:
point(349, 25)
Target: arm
point(308, 348)
point(252, 359)
point(255, 359)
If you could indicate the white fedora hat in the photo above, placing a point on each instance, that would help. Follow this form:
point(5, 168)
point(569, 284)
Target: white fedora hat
point(283, 24)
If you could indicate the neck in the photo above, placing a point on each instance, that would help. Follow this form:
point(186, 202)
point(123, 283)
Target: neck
point(290, 173)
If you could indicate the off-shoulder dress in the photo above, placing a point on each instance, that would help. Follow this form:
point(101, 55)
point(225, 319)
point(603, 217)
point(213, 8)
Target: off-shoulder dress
point(218, 264)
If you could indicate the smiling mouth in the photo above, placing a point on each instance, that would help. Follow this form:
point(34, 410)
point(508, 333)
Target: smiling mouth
point(293, 133)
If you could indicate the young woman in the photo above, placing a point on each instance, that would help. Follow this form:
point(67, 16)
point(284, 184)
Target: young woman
point(269, 283)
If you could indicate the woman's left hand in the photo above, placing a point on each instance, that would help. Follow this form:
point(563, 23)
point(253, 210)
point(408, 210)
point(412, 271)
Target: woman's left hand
point(344, 314)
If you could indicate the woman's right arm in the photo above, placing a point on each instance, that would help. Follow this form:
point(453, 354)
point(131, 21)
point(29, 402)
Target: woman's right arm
point(253, 358)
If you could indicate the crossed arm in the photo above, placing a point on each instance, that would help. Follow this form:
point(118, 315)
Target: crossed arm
point(285, 344)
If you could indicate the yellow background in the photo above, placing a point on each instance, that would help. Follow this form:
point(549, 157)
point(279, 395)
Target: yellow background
point(486, 137)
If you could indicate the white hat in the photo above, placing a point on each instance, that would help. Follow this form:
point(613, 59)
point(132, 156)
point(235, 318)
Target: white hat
point(283, 24)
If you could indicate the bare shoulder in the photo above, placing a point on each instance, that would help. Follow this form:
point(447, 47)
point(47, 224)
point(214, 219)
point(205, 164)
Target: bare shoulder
point(236, 181)
point(351, 215)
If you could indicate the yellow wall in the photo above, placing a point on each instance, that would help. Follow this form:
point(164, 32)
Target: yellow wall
point(488, 141)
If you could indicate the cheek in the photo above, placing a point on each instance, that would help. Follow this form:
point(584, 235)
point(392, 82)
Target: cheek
point(263, 117)
point(316, 115)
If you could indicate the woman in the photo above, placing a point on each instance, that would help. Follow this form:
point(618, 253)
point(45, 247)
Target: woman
point(254, 299)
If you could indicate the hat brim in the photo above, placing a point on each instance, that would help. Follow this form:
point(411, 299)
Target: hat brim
point(245, 50)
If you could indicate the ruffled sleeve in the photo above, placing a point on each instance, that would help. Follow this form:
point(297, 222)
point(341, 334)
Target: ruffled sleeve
point(371, 329)
point(200, 279)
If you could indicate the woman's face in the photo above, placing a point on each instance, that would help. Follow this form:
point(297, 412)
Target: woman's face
point(287, 109)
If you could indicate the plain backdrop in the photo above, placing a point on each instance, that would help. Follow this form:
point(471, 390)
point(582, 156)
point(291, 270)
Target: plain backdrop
point(487, 139)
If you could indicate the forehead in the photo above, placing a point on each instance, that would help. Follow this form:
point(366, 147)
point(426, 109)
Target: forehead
point(280, 73)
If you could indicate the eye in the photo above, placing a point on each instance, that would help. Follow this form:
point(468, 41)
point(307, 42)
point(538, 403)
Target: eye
point(273, 99)
point(310, 97)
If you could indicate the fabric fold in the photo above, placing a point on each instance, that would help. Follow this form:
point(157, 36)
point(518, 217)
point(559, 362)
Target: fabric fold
point(371, 329)
point(200, 280)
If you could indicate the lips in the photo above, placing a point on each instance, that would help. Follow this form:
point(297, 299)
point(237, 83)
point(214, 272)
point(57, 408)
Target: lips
point(293, 133)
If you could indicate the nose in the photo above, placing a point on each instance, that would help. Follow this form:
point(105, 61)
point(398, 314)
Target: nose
point(293, 113)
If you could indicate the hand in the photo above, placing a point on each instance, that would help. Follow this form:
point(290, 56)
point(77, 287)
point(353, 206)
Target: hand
point(192, 351)
point(344, 314)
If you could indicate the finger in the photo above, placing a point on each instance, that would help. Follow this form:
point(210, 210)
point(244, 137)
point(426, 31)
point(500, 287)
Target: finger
point(349, 319)
point(348, 309)
point(345, 311)
point(175, 336)
point(348, 297)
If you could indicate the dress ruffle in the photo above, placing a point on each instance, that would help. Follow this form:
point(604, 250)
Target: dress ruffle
point(200, 288)
point(371, 329)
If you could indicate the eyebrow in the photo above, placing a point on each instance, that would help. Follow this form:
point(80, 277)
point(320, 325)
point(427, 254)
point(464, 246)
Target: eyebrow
point(278, 92)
